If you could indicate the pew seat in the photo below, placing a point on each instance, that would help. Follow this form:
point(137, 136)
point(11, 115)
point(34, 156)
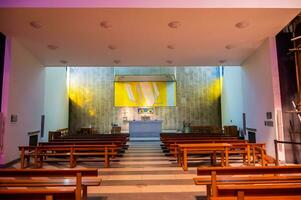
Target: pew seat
point(34, 179)
point(38, 194)
point(229, 181)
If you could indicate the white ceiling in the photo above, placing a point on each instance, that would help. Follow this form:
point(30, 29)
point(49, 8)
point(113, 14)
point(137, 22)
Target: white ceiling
point(141, 36)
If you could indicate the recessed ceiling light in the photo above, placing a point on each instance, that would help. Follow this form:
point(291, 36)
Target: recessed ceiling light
point(116, 62)
point(64, 61)
point(35, 24)
point(112, 47)
point(52, 47)
point(222, 61)
point(174, 24)
point(229, 46)
point(171, 46)
point(242, 24)
point(169, 61)
point(105, 24)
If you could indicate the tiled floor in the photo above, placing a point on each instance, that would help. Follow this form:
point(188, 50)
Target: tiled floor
point(145, 173)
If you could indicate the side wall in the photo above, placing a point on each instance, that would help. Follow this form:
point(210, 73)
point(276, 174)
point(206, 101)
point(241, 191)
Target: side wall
point(231, 98)
point(261, 94)
point(56, 104)
point(25, 99)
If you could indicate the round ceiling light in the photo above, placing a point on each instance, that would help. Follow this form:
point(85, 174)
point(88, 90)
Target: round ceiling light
point(35, 24)
point(169, 61)
point(105, 24)
point(174, 24)
point(63, 61)
point(242, 24)
point(229, 46)
point(116, 62)
point(112, 47)
point(222, 61)
point(52, 47)
point(171, 47)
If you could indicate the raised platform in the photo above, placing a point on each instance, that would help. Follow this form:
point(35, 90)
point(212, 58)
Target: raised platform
point(144, 139)
point(145, 128)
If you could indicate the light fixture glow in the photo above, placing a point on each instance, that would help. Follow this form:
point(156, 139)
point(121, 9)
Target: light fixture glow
point(112, 47)
point(222, 61)
point(35, 24)
point(116, 62)
point(105, 24)
point(229, 46)
point(174, 24)
point(64, 61)
point(242, 24)
point(170, 46)
point(52, 47)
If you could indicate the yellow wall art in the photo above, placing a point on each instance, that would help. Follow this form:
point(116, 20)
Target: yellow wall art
point(147, 94)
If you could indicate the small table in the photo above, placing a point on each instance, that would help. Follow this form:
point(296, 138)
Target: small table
point(185, 149)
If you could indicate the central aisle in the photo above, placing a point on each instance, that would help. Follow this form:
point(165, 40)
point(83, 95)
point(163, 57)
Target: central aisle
point(144, 172)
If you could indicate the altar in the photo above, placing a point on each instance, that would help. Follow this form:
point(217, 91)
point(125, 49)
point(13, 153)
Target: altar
point(145, 128)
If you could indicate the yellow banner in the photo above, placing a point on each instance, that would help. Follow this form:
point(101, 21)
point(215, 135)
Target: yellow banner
point(145, 94)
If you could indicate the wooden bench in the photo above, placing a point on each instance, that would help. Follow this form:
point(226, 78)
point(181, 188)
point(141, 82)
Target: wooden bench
point(120, 144)
point(38, 194)
point(212, 148)
point(173, 144)
point(216, 177)
point(72, 152)
point(56, 178)
point(260, 190)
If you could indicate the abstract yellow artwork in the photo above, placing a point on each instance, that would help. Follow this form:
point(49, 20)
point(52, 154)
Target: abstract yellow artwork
point(145, 94)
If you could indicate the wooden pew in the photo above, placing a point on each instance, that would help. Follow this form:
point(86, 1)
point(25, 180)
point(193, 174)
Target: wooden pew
point(72, 152)
point(172, 145)
point(212, 148)
point(57, 178)
point(38, 194)
point(120, 144)
point(220, 176)
point(260, 190)
point(95, 136)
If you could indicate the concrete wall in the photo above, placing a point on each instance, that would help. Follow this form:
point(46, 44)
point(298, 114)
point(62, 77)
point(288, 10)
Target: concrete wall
point(231, 98)
point(56, 103)
point(25, 99)
point(261, 93)
point(91, 95)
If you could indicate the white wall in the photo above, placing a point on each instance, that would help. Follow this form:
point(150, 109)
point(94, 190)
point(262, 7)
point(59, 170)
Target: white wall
point(56, 104)
point(231, 98)
point(25, 99)
point(258, 76)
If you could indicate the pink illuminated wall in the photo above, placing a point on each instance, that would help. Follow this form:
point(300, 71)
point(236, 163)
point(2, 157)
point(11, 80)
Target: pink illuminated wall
point(152, 3)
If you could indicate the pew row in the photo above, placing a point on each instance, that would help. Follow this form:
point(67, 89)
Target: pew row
point(60, 183)
point(66, 153)
point(249, 182)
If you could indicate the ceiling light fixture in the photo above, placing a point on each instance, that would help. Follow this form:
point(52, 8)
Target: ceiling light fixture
point(222, 61)
point(52, 47)
point(112, 47)
point(105, 24)
point(174, 24)
point(116, 62)
point(229, 46)
point(242, 24)
point(170, 46)
point(35, 24)
point(64, 61)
